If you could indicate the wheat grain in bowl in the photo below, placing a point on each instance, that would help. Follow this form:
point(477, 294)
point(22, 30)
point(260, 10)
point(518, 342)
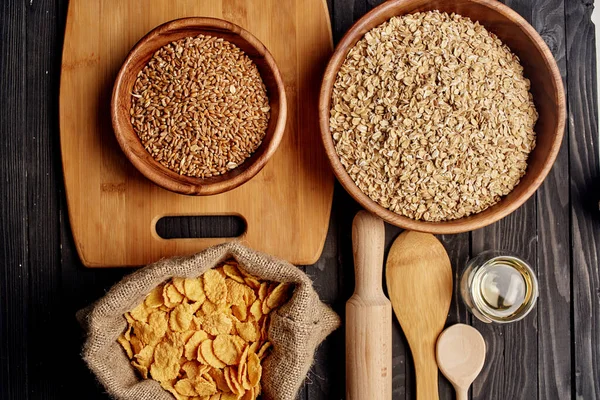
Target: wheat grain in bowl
point(200, 106)
point(432, 117)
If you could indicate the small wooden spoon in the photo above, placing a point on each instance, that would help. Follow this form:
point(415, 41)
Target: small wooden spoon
point(460, 356)
point(419, 282)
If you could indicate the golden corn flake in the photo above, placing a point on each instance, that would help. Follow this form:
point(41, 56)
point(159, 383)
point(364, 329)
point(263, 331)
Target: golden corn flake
point(181, 317)
point(140, 313)
point(231, 379)
point(253, 347)
point(242, 363)
point(168, 386)
point(171, 295)
point(233, 272)
point(228, 348)
point(206, 349)
point(256, 310)
point(262, 291)
point(278, 296)
point(191, 347)
point(193, 290)
point(217, 324)
point(263, 349)
point(185, 387)
point(204, 338)
point(154, 330)
point(240, 312)
point(154, 299)
point(235, 292)
point(252, 282)
point(146, 356)
point(126, 345)
point(254, 369)
point(165, 372)
point(136, 344)
point(219, 379)
point(204, 388)
point(214, 286)
point(178, 283)
point(248, 331)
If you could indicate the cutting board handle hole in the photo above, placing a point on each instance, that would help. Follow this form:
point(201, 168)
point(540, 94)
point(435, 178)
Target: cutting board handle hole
point(207, 226)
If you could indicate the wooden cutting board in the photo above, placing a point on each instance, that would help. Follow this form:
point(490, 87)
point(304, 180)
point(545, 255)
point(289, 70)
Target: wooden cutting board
point(113, 209)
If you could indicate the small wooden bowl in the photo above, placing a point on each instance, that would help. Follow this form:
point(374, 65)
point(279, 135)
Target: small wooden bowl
point(137, 60)
point(539, 67)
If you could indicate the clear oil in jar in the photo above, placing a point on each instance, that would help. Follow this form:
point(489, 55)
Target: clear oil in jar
point(499, 288)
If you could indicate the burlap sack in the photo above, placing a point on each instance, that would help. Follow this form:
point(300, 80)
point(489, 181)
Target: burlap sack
point(296, 329)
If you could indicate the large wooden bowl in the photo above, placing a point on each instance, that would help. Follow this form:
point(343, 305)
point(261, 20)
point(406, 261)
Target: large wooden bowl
point(137, 60)
point(539, 67)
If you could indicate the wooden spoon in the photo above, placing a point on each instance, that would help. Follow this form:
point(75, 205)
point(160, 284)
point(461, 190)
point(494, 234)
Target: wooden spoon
point(419, 282)
point(368, 316)
point(460, 356)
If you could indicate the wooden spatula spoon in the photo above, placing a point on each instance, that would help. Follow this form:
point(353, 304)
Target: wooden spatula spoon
point(419, 282)
point(460, 357)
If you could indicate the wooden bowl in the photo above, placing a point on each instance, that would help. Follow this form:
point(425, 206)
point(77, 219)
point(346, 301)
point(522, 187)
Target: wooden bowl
point(137, 60)
point(539, 67)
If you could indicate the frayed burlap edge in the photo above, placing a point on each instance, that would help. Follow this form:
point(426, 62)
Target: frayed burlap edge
point(296, 329)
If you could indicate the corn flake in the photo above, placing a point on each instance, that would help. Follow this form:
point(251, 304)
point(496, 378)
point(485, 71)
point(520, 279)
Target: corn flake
point(191, 347)
point(254, 369)
point(154, 299)
point(214, 286)
point(248, 331)
point(171, 295)
point(228, 348)
point(181, 317)
point(206, 349)
point(217, 324)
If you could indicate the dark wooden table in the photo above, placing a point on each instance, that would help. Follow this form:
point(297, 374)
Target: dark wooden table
point(554, 353)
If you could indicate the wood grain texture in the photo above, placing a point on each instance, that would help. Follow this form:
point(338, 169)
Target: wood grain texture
point(460, 354)
point(554, 303)
point(43, 177)
point(14, 250)
point(419, 281)
point(512, 350)
point(108, 198)
point(585, 193)
point(368, 315)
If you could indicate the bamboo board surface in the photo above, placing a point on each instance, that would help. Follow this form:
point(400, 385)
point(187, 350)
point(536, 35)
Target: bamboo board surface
point(113, 209)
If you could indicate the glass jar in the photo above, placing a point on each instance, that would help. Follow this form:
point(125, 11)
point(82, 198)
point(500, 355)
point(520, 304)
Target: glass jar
point(498, 286)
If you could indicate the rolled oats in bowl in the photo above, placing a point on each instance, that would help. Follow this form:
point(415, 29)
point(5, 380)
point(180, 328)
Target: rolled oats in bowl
point(200, 106)
point(432, 117)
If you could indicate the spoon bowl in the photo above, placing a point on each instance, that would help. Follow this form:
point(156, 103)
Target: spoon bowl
point(460, 356)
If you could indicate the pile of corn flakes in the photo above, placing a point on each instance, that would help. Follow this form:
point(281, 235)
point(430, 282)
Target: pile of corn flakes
point(204, 338)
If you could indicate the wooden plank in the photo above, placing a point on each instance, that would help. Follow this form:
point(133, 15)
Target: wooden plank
point(458, 248)
point(510, 370)
point(326, 378)
point(43, 43)
point(14, 275)
point(585, 193)
point(554, 322)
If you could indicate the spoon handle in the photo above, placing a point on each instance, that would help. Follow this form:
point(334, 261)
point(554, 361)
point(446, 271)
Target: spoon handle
point(368, 316)
point(462, 394)
point(426, 372)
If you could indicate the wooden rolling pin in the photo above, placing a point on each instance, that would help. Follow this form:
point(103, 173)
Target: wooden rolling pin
point(368, 316)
